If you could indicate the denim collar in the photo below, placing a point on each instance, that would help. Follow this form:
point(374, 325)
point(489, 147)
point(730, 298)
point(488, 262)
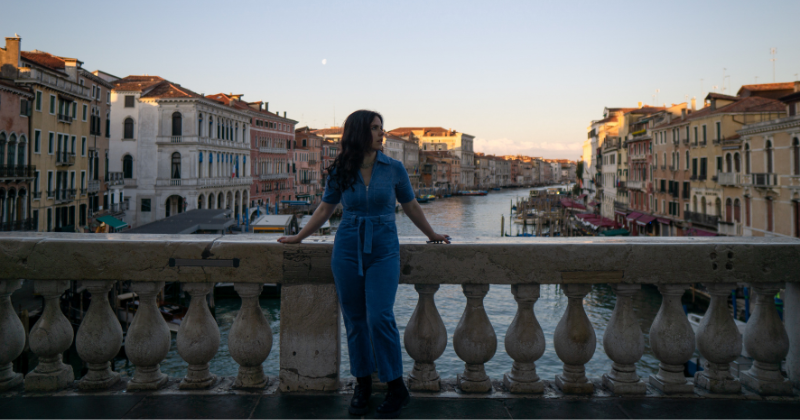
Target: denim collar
point(383, 158)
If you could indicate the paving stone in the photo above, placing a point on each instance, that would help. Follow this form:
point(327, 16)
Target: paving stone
point(194, 407)
point(571, 409)
point(85, 407)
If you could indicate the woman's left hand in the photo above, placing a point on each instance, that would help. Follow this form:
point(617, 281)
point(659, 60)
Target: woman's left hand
point(440, 238)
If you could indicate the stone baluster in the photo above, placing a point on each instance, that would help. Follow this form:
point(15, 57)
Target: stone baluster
point(575, 342)
point(250, 338)
point(198, 338)
point(474, 340)
point(148, 339)
point(623, 342)
point(524, 342)
point(99, 338)
point(12, 336)
point(719, 342)
point(672, 342)
point(791, 317)
point(425, 339)
point(766, 341)
point(49, 339)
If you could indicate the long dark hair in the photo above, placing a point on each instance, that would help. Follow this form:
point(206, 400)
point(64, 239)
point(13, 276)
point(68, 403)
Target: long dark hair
point(356, 141)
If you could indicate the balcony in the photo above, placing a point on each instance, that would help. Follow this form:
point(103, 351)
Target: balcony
point(273, 150)
point(312, 161)
point(65, 118)
point(51, 194)
point(129, 182)
point(176, 139)
point(308, 181)
point(701, 219)
point(762, 180)
point(270, 177)
point(672, 168)
point(115, 178)
point(17, 172)
point(36, 195)
point(94, 186)
point(223, 182)
point(64, 158)
point(64, 195)
point(23, 225)
point(27, 74)
point(635, 185)
point(118, 208)
point(619, 205)
point(729, 228)
point(83, 191)
point(729, 179)
point(310, 329)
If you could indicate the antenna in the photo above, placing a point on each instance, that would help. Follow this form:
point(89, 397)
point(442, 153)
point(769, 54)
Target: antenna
point(773, 51)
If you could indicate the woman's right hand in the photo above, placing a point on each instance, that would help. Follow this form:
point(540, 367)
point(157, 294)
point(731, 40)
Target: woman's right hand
point(294, 239)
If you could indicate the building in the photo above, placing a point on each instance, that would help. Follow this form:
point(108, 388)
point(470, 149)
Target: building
point(18, 179)
point(670, 169)
point(103, 188)
point(59, 125)
point(434, 138)
point(271, 139)
point(770, 175)
point(177, 150)
point(306, 165)
point(484, 171)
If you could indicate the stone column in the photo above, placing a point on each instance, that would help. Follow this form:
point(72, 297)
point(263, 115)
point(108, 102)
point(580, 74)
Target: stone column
point(791, 317)
point(49, 339)
point(148, 339)
point(719, 342)
point(12, 336)
point(672, 342)
point(623, 342)
point(99, 338)
point(198, 338)
point(524, 342)
point(425, 339)
point(250, 338)
point(474, 340)
point(310, 338)
point(766, 341)
point(575, 342)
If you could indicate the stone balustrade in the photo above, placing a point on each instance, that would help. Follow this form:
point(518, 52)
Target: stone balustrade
point(310, 336)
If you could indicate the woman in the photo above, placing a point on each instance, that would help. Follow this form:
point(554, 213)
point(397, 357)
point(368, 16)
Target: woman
point(366, 255)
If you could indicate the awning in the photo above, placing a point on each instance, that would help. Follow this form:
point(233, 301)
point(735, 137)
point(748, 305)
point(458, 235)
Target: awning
point(645, 219)
point(594, 203)
point(664, 221)
point(633, 215)
point(616, 232)
point(112, 221)
point(620, 212)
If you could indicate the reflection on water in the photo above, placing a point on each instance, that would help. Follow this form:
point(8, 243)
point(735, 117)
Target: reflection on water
point(462, 218)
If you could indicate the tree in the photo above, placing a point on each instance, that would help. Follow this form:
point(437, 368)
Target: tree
point(579, 171)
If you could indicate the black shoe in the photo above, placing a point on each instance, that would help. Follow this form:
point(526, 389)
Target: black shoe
point(395, 400)
point(359, 405)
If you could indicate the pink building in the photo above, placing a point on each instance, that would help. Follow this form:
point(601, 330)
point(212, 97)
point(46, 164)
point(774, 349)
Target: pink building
point(16, 174)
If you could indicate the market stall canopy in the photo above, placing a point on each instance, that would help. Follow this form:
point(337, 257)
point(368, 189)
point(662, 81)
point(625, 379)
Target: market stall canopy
point(616, 232)
point(112, 221)
point(645, 219)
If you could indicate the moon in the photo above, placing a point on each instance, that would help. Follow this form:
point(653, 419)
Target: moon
point(324, 61)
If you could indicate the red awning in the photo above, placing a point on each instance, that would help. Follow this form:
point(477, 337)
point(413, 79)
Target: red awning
point(664, 221)
point(620, 212)
point(594, 203)
point(645, 219)
point(633, 215)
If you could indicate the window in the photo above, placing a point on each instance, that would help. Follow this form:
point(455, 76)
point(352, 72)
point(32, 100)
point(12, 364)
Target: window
point(703, 165)
point(129, 101)
point(694, 168)
point(24, 107)
point(128, 128)
point(768, 152)
point(38, 100)
point(51, 142)
point(704, 135)
point(770, 226)
point(145, 205)
point(747, 160)
point(719, 130)
point(796, 156)
point(695, 136)
point(687, 160)
point(37, 141)
point(83, 146)
point(176, 165)
point(177, 128)
point(94, 91)
point(53, 104)
point(127, 167)
point(85, 109)
point(719, 163)
point(74, 110)
point(73, 144)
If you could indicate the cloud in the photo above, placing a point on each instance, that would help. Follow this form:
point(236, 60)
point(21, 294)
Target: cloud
point(546, 149)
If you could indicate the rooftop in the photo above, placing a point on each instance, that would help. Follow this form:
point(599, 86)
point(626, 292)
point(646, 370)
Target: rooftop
point(188, 222)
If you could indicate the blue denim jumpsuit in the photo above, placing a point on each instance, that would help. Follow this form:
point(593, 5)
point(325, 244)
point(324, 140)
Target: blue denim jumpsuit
point(366, 266)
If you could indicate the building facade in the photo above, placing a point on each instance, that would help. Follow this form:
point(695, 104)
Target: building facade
point(307, 166)
point(433, 138)
point(17, 177)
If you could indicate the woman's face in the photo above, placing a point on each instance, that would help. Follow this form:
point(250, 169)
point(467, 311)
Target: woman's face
point(376, 128)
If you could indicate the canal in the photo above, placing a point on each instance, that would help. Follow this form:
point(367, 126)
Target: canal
point(463, 218)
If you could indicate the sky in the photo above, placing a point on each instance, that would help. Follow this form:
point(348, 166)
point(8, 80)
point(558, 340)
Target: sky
point(522, 77)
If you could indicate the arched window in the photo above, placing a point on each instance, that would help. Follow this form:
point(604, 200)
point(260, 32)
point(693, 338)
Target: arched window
point(796, 155)
point(768, 151)
point(747, 158)
point(737, 164)
point(200, 124)
point(703, 205)
point(728, 163)
point(737, 211)
point(128, 132)
point(687, 160)
point(2, 147)
point(210, 126)
point(176, 165)
point(728, 210)
point(21, 151)
point(177, 124)
point(12, 149)
point(127, 167)
point(236, 133)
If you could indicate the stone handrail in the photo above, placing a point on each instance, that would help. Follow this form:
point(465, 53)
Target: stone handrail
point(310, 338)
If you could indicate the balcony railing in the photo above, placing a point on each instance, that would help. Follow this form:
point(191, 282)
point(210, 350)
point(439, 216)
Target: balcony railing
point(64, 158)
point(65, 118)
point(701, 219)
point(268, 177)
point(731, 179)
point(635, 185)
point(620, 205)
point(60, 83)
point(762, 180)
point(310, 328)
point(117, 208)
point(94, 185)
point(273, 150)
point(17, 171)
point(64, 195)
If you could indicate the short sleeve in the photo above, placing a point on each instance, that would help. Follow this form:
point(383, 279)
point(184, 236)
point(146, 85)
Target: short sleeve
point(332, 194)
point(403, 190)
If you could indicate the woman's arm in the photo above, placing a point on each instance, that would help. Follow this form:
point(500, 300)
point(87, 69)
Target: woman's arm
point(321, 215)
point(414, 212)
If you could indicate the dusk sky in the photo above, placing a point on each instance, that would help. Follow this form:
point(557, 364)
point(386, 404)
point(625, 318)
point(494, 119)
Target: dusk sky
point(523, 77)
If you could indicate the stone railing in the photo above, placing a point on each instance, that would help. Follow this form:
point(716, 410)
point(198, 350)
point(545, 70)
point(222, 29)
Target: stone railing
point(310, 336)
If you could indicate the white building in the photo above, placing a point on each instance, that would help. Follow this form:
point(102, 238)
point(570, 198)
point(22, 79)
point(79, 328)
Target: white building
point(177, 150)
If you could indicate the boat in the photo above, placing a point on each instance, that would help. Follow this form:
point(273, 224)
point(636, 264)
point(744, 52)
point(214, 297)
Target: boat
point(472, 193)
point(422, 199)
point(448, 195)
point(496, 189)
point(431, 197)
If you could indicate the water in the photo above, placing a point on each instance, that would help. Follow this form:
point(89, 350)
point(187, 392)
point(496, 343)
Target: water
point(463, 218)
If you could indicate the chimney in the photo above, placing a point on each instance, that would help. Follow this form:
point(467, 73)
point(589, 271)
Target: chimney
point(284, 114)
point(11, 53)
point(694, 103)
point(266, 106)
point(640, 105)
point(683, 114)
point(71, 68)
